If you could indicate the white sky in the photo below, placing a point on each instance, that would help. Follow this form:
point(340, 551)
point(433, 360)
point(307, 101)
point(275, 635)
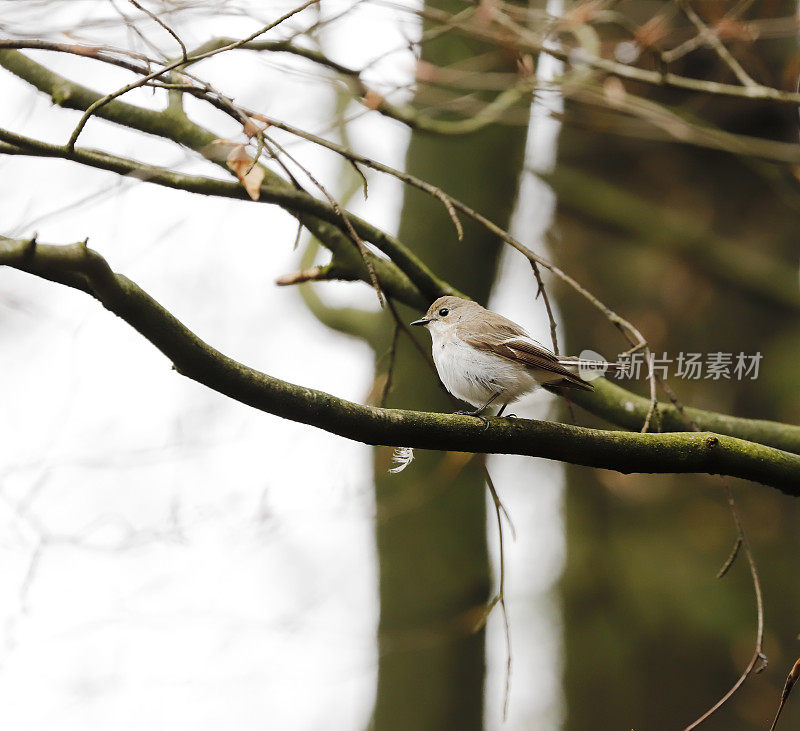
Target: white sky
point(171, 559)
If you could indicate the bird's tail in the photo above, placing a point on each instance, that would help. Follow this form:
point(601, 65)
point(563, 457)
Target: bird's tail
point(598, 364)
point(589, 369)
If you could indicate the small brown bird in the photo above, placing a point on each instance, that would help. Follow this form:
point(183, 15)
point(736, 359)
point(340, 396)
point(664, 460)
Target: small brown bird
point(481, 356)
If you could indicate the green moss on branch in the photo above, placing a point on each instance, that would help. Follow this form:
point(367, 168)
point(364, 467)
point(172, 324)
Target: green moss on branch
point(316, 216)
point(405, 277)
point(626, 409)
point(80, 267)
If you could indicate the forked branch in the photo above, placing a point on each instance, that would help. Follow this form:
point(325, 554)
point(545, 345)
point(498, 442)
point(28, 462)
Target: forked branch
point(80, 267)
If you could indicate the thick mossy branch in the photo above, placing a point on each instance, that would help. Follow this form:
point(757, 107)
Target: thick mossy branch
point(349, 265)
point(608, 401)
point(78, 266)
point(623, 408)
point(404, 278)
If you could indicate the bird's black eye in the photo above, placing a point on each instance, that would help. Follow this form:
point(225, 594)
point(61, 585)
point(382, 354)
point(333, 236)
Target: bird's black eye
point(444, 312)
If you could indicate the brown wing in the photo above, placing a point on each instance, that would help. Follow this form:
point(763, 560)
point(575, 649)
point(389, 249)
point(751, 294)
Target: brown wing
point(508, 340)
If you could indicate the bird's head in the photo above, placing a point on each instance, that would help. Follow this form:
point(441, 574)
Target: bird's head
point(446, 312)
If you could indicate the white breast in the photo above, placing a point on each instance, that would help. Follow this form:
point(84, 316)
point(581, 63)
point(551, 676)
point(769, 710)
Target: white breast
point(474, 375)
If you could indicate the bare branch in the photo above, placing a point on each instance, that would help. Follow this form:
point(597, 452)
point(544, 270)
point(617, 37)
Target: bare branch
point(82, 268)
point(712, 38)
point(141, 82)
point(407, 279)
point(160, 22)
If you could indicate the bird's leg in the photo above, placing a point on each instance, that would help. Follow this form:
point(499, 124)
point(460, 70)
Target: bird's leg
point(477, 413)
point(503, 408)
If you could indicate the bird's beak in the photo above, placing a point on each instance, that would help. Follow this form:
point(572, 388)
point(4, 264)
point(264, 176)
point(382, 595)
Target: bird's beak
point(423, 321)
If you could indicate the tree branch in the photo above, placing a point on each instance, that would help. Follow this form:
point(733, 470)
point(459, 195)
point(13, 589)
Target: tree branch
point(181, 130)
point(534, 42)
point(406, 114)
point(417, 290)
point(608, 401)
point(405, 278)
point(78, 266)
point(626, 409)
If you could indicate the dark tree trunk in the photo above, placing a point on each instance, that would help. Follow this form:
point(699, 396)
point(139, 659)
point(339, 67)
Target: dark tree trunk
point(431, 522)
point(652, 638)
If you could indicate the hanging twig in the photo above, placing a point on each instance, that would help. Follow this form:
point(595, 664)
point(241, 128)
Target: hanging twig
point(500, 597)
point(791, 679)
point(160, 22)
point(651, 378)
point(387, 384)
point(541, 291)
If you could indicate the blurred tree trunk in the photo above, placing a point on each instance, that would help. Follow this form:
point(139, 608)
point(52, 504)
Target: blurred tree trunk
point(652, 638)
point(431, 522)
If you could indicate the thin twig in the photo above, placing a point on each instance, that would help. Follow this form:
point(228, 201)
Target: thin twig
point(741, 540)
point(690, 45)
point(160, 22)
point(354, 237)
point(651, 377)
point(392, 354)
point(633, 335)
point(741, 543)
point(245, 117)
point(358, 171)
point(791, 679)
point(527, 40)
point(758, 654)
point(718, 46)
point(140, 82)
point(731, 558)
point(355, 159)
point(426, 356)
point(500, 597)
point(542, 291)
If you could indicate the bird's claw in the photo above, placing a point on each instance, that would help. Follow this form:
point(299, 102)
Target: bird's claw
point(477, 416)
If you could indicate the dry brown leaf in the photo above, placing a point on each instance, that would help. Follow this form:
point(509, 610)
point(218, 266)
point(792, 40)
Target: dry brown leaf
point(251, 175)
point(652, 31)
point(252, 182)
point(238, 159)
point(525, 65)
point(251, 127)
point(614, 91)
point(372, 99)
point(733, 29)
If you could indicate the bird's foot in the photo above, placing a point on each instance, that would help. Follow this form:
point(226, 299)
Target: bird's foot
point(477, 414)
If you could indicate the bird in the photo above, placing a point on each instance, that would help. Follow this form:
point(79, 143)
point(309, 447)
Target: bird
point(482, 357)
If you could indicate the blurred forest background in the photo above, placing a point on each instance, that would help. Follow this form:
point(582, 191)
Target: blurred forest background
point(175, 559)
